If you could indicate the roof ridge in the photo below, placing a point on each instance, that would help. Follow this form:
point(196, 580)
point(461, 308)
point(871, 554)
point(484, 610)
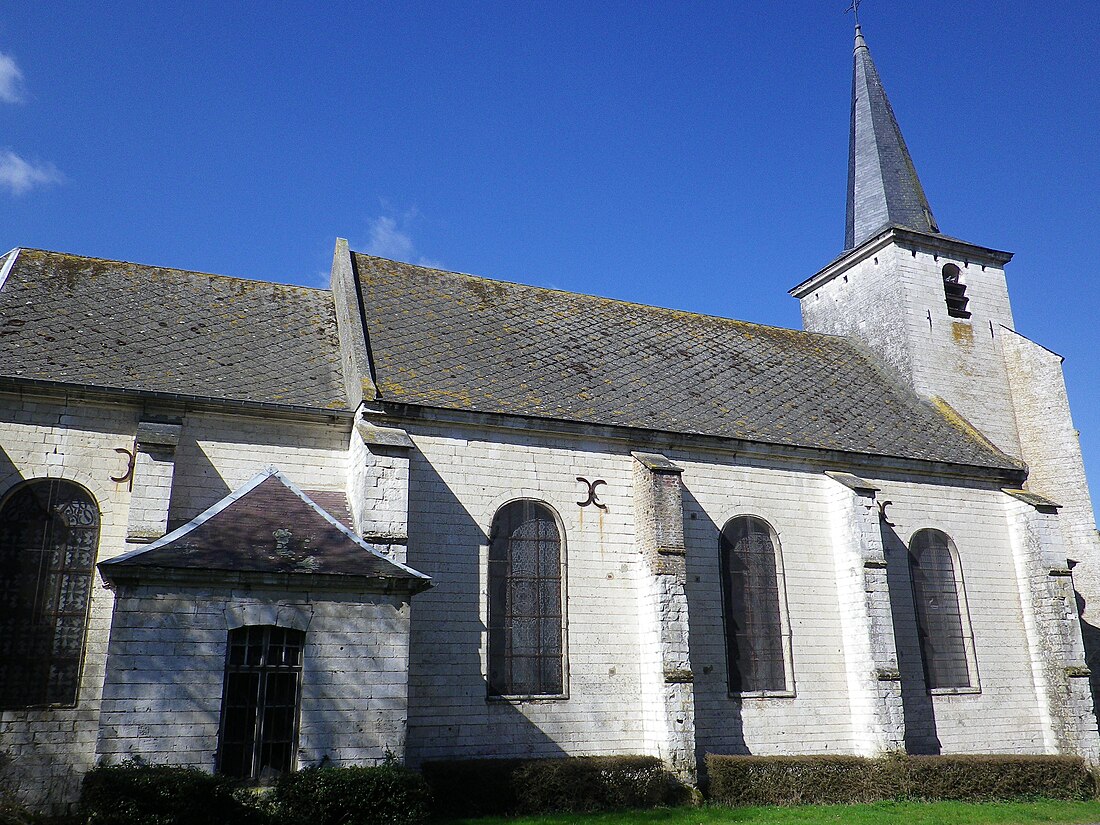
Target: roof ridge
point(197, 272)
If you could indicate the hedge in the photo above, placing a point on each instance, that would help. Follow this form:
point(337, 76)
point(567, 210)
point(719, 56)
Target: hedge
point(137, 794)
point(981, 778)
point(482, 787)
point(794, 780)
point(13, 813)
point(472, 787)
point(594, 783)
point(384, 795)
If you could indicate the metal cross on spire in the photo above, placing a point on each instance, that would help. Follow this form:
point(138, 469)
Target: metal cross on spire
point(854, 9)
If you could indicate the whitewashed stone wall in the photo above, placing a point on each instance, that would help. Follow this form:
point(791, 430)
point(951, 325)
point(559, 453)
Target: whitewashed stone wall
point(1052, 449)
point(378, 486)
point(870, 648)
point(958, 359)
point(890, 296)
point(166, 664)
point(864, 299)
point(816, 716)
point(154, 461)
point(1003, 714)
point(45, 751)
point(668, 696)
point(218, 453)
point(457, 483)
point(1054, 636)
point(458, 477)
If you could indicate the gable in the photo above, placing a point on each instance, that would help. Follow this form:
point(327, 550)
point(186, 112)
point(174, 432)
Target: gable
point(268, 526)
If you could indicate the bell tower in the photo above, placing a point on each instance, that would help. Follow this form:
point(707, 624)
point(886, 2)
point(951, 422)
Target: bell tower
point(936, 309)
point(932, 306)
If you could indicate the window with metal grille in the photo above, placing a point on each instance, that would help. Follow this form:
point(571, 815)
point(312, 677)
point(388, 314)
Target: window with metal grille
point(942, 625)
point(260, 702)
point(757, 635)
point(49, 534)
point(954, 291)
point(526, 644)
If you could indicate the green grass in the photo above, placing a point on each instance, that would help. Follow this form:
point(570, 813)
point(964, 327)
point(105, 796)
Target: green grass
point(879, 813)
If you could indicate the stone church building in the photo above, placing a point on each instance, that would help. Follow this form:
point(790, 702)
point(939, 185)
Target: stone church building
point(252, 528)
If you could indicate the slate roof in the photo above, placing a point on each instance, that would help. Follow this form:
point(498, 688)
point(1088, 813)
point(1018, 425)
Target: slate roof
point(266, 526)
point(442, 339)
point(883, 187)
point(334, 503)
point(120, 325)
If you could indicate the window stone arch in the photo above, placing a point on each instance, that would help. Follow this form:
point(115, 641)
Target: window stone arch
point(49, 537)
point(526, 601)
point(758, 650)
point(943, 626)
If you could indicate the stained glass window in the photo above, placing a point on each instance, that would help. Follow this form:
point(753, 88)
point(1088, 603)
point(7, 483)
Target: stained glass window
point(261, 701)
point(49, 534)
point(940, 619)
point(755, 651)
point(525, 602)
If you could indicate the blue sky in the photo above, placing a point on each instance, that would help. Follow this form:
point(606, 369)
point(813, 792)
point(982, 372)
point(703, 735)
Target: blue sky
point(690, 155)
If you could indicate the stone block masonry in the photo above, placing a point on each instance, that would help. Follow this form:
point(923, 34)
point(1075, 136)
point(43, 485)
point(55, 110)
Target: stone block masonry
point(154, 461)
point(162, 694)
point(459, 478)
point(44, 751)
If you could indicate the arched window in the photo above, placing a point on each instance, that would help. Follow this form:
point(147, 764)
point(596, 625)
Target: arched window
point(49, 532)
point(261, 701)
point(757, 632)
point(954, 291)
point(942, 624)
point(526, 643)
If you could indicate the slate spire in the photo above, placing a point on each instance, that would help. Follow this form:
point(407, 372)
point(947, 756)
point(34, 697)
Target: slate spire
point(883, 188)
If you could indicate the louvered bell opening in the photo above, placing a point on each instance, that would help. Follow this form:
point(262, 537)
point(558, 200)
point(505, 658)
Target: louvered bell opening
point(954, 291)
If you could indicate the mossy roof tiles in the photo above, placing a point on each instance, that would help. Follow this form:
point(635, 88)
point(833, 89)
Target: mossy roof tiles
point(111, 324)
point(452, 341)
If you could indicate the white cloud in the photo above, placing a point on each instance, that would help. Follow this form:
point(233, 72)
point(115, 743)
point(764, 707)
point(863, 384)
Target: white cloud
point(19, 175)
point(387, 240)
point(11, 80)
point(391, 238)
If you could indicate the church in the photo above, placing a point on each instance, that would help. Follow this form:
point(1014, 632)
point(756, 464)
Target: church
point(253, 528)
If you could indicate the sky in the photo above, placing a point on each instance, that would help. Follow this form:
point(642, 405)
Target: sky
point(683, 154)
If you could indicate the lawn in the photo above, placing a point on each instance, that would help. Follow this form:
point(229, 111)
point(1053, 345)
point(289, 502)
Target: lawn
point(879, 813)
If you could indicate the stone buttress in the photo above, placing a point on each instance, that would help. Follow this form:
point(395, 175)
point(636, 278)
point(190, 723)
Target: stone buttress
point(1050, 620)
point(668, 690)
point(870, 654)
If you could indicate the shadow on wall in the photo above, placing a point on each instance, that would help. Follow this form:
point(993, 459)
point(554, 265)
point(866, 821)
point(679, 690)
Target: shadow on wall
point(1090, 635)
point(196, 485)
point(353, 709)
point(718, 720)
point(449, 714)
point(9, 475)
point(919, 713)
point(143, 687)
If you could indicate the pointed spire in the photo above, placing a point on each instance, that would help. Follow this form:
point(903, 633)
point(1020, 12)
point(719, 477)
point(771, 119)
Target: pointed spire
point(883, 188)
